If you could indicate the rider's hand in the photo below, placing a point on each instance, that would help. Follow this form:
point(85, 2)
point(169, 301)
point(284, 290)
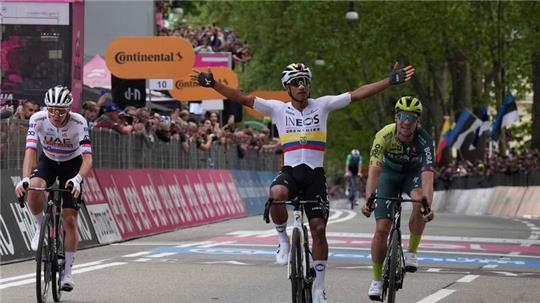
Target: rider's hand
point(368, 206)
point(429, 215)
point(206, 79)
point(400, 75)
point(20, 187)
point(76, 181)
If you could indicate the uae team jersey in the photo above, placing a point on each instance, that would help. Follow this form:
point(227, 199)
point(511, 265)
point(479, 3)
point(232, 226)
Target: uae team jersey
point(59, 144)
point(302, 133)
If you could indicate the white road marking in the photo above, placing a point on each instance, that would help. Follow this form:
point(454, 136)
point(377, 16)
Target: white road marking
point(141, 253)
point(437, 296)
point(226, 262)
point(467, 278)
point(505, 273)
point(489, 266)
point(162, 255)
point(142, 260)
point(433, 270)
point(33, 274)
point(217, 244)
point(82, 270)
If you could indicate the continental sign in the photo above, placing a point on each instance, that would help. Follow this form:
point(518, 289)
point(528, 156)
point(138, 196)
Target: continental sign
point(267, 94)
point(148, 57)
point(186, 89)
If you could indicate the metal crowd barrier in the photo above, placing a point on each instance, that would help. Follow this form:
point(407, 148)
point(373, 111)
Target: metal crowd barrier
point(113, 150)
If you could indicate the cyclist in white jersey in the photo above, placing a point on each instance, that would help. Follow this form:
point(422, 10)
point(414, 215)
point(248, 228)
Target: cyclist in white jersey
point(67, 155)
point(301, 125)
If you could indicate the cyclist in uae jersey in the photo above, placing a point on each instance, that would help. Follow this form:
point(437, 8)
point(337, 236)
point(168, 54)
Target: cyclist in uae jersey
point(301, 125)
point(67, 155)
point(401, 158)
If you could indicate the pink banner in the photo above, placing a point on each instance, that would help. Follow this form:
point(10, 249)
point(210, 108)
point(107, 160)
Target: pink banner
point(96, 73)
point(77, 48)
point(148, 201)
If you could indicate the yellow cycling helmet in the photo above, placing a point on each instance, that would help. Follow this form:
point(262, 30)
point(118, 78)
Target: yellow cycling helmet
point(408, 104)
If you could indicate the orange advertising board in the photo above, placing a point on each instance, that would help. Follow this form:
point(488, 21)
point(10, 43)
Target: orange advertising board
point(280, 95)
point(149, 57)
point(186, 89)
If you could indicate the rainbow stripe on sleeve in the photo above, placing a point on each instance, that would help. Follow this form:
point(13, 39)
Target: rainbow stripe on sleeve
point(307, 140)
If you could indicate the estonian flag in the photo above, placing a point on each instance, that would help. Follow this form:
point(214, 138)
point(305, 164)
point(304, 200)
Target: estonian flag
point(506, 116)
point(482, 129)
point(466, 124)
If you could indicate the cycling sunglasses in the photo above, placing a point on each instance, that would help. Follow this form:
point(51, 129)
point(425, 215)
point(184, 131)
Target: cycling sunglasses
point(299, 81)
point(59, 112)
point(404, 116)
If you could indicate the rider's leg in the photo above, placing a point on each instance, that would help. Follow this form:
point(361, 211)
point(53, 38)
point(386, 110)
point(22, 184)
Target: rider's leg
point(319, 250)
point(71, 237)
point(35, 199)
point(347, 180)
point(379, 245)
point(278, 212)
point(416, 223)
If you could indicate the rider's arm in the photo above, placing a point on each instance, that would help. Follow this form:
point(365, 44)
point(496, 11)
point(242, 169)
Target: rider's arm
point(375, 162)
point(29, 162)
point(373, 176)
point(428, 150)
point(234, 95)
point(371, 89)
point(347, 161)
point(427, 185)
point(86, 165)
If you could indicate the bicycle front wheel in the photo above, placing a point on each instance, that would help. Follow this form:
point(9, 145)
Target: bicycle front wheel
point(296, 268)
point(43, 260)
point(393, 265)
point(58, 258)
point(310, 271)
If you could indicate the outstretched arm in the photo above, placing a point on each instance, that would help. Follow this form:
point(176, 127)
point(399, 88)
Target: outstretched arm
point(397, 76)
point(207, 80)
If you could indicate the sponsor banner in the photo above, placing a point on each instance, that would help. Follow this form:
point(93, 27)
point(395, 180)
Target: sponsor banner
point(148, 201)
point(17, 225)
point(150, 57)
point(187, 89)
point(254, 187)
point(99, 212)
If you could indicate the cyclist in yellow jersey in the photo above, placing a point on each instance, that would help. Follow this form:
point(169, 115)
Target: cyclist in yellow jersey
point(401, 158)
point(301, 125)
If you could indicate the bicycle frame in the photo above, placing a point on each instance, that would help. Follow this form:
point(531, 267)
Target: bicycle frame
point(299, 253)
point(393, 277)
point(50, 253)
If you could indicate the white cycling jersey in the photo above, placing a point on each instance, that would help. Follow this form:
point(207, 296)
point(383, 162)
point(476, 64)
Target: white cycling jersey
point(59, 144)
point(302, 133)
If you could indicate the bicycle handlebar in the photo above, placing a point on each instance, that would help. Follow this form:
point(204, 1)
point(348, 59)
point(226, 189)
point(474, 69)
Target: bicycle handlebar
point(425, 206)
point(26, 187)
point(295, 202)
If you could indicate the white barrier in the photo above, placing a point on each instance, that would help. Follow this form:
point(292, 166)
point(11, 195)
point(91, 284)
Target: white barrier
point(501, 201)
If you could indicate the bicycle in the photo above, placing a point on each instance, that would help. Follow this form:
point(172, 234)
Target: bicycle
point(50, 252)
point(299, 270)
point(394, 261)
point(352, 190)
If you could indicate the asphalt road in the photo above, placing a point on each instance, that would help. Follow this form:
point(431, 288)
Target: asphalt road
point(462, 259)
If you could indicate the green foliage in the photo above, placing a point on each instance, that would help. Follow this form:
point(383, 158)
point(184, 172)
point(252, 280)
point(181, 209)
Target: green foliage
point(431, 35)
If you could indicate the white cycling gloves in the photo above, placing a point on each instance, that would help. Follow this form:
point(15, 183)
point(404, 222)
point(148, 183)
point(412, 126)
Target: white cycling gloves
point(76, 181)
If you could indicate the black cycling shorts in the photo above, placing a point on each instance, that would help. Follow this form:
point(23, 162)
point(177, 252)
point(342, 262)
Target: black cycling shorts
point(311, 182)
point(49, 170)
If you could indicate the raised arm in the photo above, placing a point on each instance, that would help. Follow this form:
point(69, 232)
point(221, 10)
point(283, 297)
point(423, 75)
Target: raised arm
point(397, 76)
point(207, 80)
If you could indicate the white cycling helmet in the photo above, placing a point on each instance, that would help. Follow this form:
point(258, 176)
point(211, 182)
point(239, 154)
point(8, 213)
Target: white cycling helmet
point(58, 96)
point(294, 70)
point(355, 153)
